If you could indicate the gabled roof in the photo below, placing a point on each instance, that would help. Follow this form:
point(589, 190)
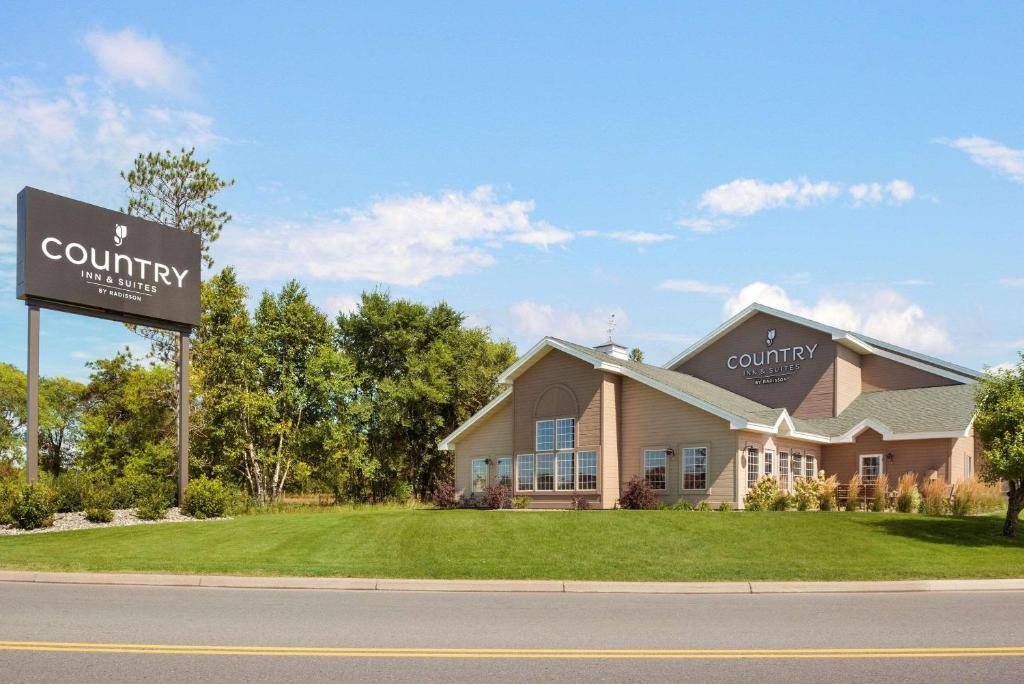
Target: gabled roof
point(922, 413)
point(862, 344)
point(928, 413)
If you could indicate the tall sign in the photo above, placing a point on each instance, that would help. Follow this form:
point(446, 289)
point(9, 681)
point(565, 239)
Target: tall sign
point(84, 259)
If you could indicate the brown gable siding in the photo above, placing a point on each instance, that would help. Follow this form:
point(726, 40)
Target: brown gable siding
point(490, 438)
point(534, 387)
point(651, 419)
point(878, 373)
point(808, 393)
point(919, 456)
point(848, 377)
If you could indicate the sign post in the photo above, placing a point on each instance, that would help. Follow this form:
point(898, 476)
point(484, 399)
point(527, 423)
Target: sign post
point(83, 259)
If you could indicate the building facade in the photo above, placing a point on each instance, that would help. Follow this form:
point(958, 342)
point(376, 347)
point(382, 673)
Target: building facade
point(767, 393)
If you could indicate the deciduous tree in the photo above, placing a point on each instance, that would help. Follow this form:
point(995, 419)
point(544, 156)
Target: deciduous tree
point(999, 425)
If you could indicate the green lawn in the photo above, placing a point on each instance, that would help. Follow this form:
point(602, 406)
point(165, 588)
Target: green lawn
point(597, 545)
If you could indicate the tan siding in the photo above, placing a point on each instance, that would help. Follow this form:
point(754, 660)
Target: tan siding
point(879, 374)
point(572, 375)
point(490, 438)
point(611, 389)
point(848, 377)
point(651, 419)
point(808, 393)
point(918, 456)
point(963, 452)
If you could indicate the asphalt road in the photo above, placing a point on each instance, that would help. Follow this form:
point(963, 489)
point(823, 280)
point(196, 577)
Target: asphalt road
point(97, 633)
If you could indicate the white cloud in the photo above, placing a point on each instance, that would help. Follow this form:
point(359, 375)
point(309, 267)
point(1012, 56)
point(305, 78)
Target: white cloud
point(746, 196)
point(1012, 282)
point(533, 319)
point(883, 314)
point(991, 154)
point(127, 56)
point(913, 282)
point(74, 140)
point(342, 304)
point(695, 286)
point(749, 196)
point(641, 237)
point(404, 240)
point(1005, 366)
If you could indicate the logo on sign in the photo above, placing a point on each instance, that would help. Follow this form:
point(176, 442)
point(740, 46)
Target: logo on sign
point(120, 233)
point(772, 365)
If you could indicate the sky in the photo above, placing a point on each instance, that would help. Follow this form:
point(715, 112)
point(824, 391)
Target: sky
point(542, 166)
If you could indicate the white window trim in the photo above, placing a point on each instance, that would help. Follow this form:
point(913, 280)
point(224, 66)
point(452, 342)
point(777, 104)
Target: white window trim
point(533, 476)
point(497, 469)
point(575, 473)
point(536, 472)
point(472, 475)
point(643, 465)
point(554, 437)
point(760, 465)
point(860, 464)
point(574, 428)
point(597, 468)
point(682, 467)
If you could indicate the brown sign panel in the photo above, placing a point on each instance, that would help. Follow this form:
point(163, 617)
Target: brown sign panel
point(97, 261)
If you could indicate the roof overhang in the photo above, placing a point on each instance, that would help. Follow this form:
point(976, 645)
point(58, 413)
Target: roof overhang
point(888, 435)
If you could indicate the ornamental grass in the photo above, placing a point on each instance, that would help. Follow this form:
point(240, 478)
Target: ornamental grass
point(908, 496)
point(853, 494)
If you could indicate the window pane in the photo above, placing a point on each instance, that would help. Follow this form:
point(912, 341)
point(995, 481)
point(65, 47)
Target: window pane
point(479, 478)
point(752, 468)
point(769, 463)
point(809, 467)
point(655, 463)
point(587, 462)
point(566, 470)
point(525, 472)
point(695, 468)
point(783, 470)
point(566, 433)
point(545, 435)
point(545, 472)
point(505, 472)
point(798, 466)
point(869, 468)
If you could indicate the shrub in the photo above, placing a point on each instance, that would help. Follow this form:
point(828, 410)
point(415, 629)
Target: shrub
point(761, 496)
point(97, 505)
point(446, 495)
point(827, 496)
point(206, 498)
point(520, 502)
point(401, 492)
point(72, 489)
point(782, 502)
point(972, 496)
point(807, 493)
point(9, 489)
point(638, 496)
point(579, 503)
point(853, 494)
point(132, 489)
point(880, 495)
point(34, 506)
point(497, 496)
point(152, 507)
point(725, 507)
point(682, 505)
point(908, 496)
point(935, 501)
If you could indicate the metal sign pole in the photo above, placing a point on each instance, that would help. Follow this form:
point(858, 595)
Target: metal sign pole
point(32, 424)
point(183, 411)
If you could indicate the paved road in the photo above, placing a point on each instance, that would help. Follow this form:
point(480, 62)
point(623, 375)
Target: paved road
point(95, 633)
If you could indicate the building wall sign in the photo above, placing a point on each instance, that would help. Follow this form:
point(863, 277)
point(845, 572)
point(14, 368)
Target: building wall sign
point(773, 364)
point(86, 257)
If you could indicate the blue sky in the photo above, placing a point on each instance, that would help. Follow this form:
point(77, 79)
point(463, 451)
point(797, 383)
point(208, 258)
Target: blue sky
point(542, 166)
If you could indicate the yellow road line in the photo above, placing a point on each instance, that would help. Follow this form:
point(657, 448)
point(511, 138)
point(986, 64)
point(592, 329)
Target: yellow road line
point(515, 653)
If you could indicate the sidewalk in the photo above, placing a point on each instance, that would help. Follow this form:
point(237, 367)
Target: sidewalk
point(556, 586)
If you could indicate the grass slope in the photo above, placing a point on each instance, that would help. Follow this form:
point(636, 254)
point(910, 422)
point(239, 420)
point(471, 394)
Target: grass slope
point(596, 545)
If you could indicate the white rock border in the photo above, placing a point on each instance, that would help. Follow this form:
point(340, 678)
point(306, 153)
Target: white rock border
point(124, 517)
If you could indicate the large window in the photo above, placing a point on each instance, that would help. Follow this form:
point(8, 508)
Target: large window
point(545, 472)
point(798, 466)
point(566, 461)
point(753, 467)
point(769, 463)
point(655, 464)
point(565, 433)
point(783, 470)
point(545, 435)
point(479, 479)
point(870, 467)
point(695, 468)
point(810, 466)
point(505, 471)
point(586, 461)
point(525, 476)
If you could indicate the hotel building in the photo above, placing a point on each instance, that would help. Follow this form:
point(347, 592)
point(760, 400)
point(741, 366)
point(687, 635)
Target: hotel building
point(767, 393)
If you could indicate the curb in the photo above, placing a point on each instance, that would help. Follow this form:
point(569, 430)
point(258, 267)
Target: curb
point(526, 586)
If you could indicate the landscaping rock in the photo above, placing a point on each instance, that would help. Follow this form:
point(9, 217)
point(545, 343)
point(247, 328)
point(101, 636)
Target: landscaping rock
point(64, 522)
